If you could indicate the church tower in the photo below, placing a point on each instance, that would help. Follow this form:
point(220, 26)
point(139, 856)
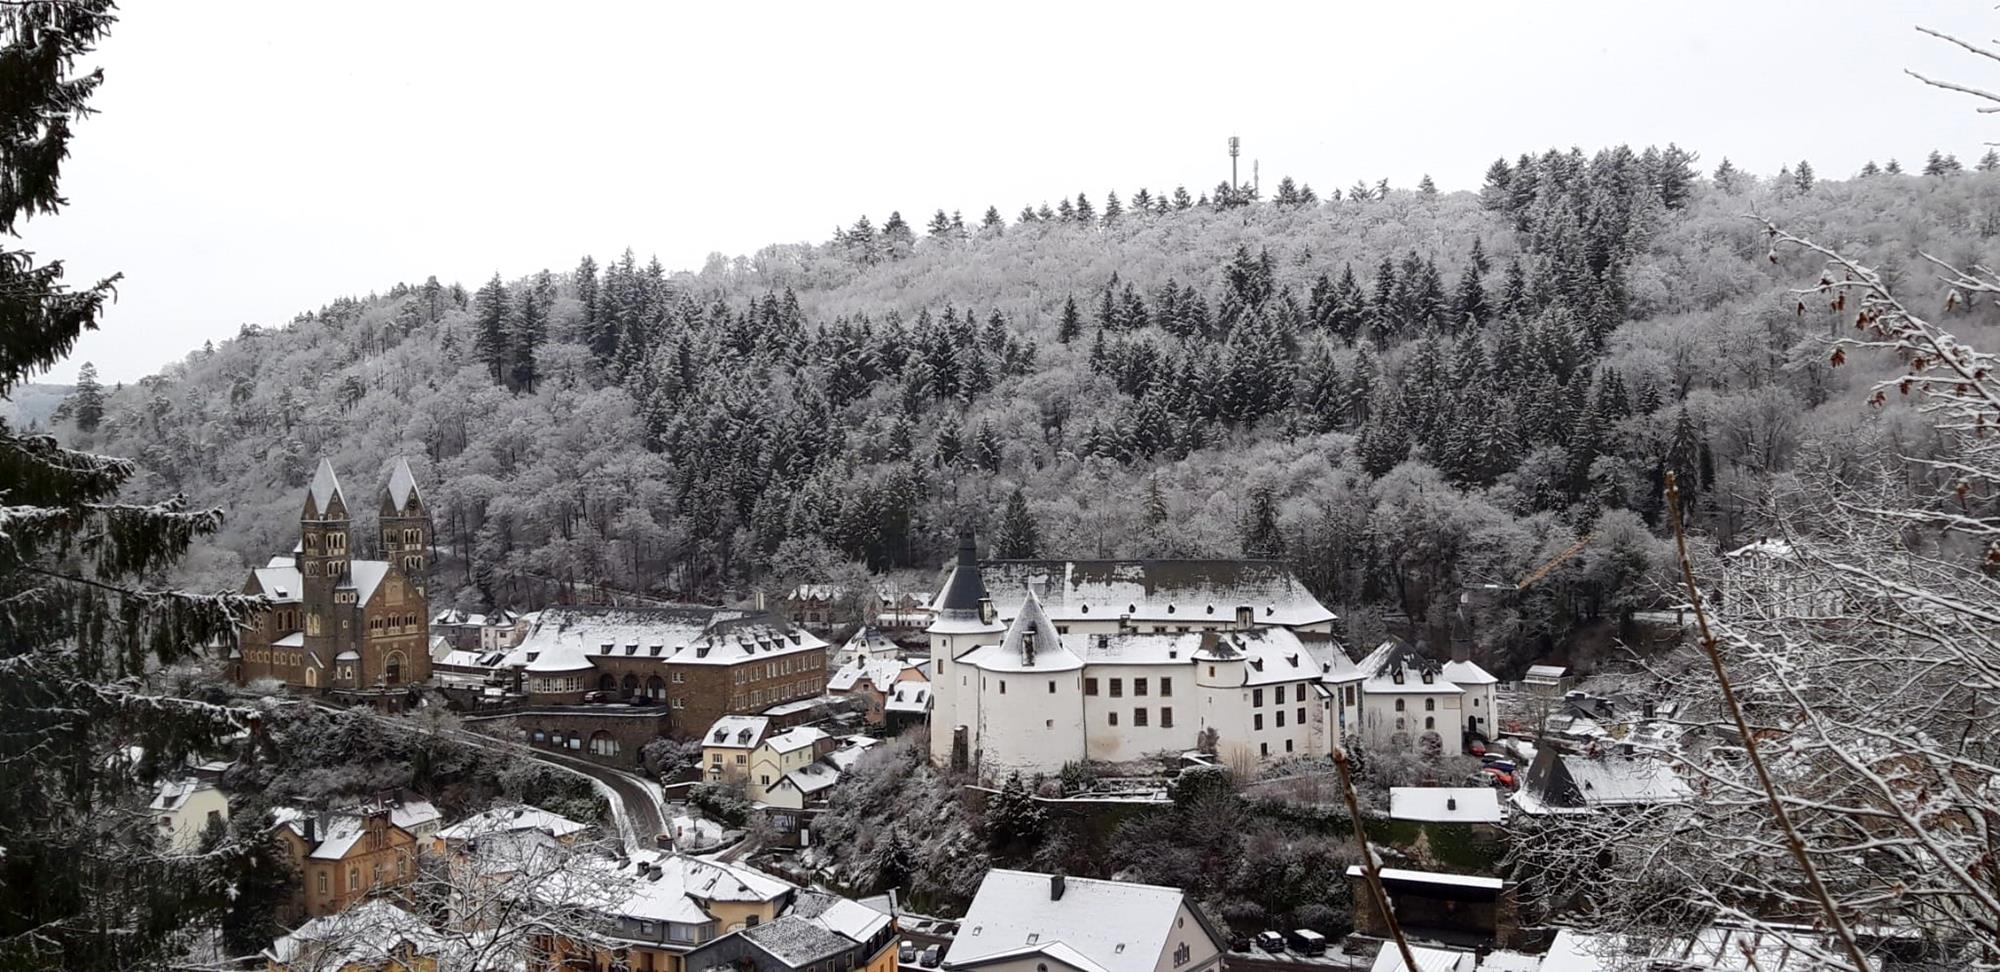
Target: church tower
point(406, 527)
point(324, 536)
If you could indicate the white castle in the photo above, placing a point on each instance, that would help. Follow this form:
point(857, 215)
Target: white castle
point(1115, 660)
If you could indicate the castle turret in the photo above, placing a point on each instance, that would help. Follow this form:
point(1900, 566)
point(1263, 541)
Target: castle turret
point(964, 621)
point(406, 526)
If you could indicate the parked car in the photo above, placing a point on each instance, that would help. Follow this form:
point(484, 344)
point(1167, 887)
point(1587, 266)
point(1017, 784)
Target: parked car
point(597, 696)
point(1271, 942)
point(906, 952)
point(1239, 942)
point(1503, 765)
point(928, 958)
point(1498, 777)
point(1305, 941)
point(1352, 946)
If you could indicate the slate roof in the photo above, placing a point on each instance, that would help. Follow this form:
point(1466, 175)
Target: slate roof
point(797, 942)
point(1031, 628)
point(1560, 782)
point(910, 697)
point(1396, 655)
point(1097, 926)
point(685, 883)
point(1390, 959)
point(325, 486)
point(736, 732)
point(852, 919)
point(813, 778)
point(1161, 591)
point(509, 819)
point(364, 576)
point(796, 738)
point(402, 485)
point(282, 584)
point(1467, 673)
point(687, 634)
point(365, 936)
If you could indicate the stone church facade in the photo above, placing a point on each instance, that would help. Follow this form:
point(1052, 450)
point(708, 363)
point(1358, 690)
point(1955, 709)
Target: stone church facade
point(355, 628)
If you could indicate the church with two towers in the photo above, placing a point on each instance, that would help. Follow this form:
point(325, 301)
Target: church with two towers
point(352, 627)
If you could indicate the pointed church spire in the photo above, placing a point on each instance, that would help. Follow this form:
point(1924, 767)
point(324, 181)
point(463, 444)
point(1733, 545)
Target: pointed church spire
point(402, 486)
point(325, 489)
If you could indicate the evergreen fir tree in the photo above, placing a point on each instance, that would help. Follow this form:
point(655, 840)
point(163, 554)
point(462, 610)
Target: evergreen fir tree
point(1893, 168)
point(1142, 202)
point(1494, 193)
point(991, 222)
point(1870, 169)
point(940, 226)
point(1990, 161)
point(84, 628)
point(1288, 193)
point(1803, 177)
point(1046, 215)
point(1182, 200)
point(1726, 176)
point(524, 338)
point(1071, 326)
point(1014, 820)
point(1360, 192)
point(86, 401)
point(898, 240)
point(1262, 540)
point(585, 282)
point(1426, 186)
point(1308, 198)
point(1156, 503)
point(986, 447)
point(1934, 164)
point(489, 329)
point(1027, 215)
point(1112, 208)
point(1019, 538)
point(1085, 213)
point(1065, 210)
point(895, 860)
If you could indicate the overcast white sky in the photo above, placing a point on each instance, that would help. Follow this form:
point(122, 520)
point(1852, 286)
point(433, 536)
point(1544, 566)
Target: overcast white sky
point(256, 159)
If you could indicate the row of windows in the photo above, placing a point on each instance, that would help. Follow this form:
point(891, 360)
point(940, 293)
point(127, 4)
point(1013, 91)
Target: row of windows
point(336, 542)
point(780, 667)
point(1430, 722)
point(399, 622)
point(375, 874)
point(268, 656)
point(1139, 717)
point(1264, 748)
point(1257, 719)
point(550, 684)
point(781, 693)
point(1117, 686)
point(1430, 705)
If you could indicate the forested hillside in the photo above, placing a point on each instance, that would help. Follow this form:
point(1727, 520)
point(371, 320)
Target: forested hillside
point(1400, 391)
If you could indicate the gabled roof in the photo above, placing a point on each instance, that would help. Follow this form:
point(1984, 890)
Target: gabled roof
point(795, 738)
point(1397, 657)
point(174, 794)
point(324, 490)
point(1159, 591)
point(686, 885)
point(364, 936)
point(1467, 673)
point(1558, 783)
point(912, 697)
point(797, 942)
point(510, 819)
point(283, 584)
point(813, 778)
point(736, 732)
point(1390, 959)
point(364, 576)
point(402, 486)
point(849, 918)
point(1110, 926)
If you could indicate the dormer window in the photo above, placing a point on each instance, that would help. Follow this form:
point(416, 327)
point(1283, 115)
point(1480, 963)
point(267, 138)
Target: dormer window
point(1428, 678)
point(1396, 676)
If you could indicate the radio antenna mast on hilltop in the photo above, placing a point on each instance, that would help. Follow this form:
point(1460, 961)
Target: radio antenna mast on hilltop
point(1233, 145)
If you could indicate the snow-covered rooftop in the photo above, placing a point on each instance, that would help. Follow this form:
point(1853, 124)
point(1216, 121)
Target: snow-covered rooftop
point(1031, 644)
point(1094, 925)
point(367, 935)
point(736, 732)
point(364, 576)
point(1434, 877)
point(514, 818)
point(796, 738)
point(281, 583)
point(324, 489)
point(1160, 591)
point(1445, 804)
point(1390, 959)
point(686, 885)
point(1395, 666)
point(174, 794)
point(797, 942)
point(912, 697)
point(402, 485)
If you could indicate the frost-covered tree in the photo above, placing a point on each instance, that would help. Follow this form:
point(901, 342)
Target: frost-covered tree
point(86, 402)
point(1019, 537)
point(84, 620)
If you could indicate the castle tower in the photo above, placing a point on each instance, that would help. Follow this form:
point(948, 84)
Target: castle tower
point(406, 527)
point(964, 621)
point(324, 552)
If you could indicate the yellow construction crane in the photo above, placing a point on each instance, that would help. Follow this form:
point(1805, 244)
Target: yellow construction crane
point(1535, 576)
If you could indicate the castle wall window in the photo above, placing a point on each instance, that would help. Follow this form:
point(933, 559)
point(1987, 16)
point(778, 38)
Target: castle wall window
point(1139, 717)
point(1090, 686)
point(1166, 718)
point(1166, 687)
point(1138, 686)
point(1430, 705)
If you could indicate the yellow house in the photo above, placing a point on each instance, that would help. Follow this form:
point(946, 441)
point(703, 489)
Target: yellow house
point(374, 936)
point(673, 905)
point(184, 809)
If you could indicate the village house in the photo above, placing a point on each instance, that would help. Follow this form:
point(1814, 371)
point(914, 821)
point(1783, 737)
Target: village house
point(509, 820)
point(743, 749)
point(1408, 697)
point(347, 856)
point(374, 936)
point(903, 611)
point(1436, 904)
point(819, 607)
point(184, 810)
point(353, 627)
point(670, 905)
point(869, 644)
point(871, 681)
point(821, 932)
point(909, 705)
point(1021, 921)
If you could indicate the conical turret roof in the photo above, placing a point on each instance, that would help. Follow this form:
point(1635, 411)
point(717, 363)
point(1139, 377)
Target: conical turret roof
point(324, 490)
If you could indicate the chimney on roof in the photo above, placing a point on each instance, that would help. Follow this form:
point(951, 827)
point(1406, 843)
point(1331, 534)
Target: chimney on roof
point(1208, 639)
point(985, 610)
point(1056, 886)
point(653, 873)
point(1451, 803)
point(311, 828)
